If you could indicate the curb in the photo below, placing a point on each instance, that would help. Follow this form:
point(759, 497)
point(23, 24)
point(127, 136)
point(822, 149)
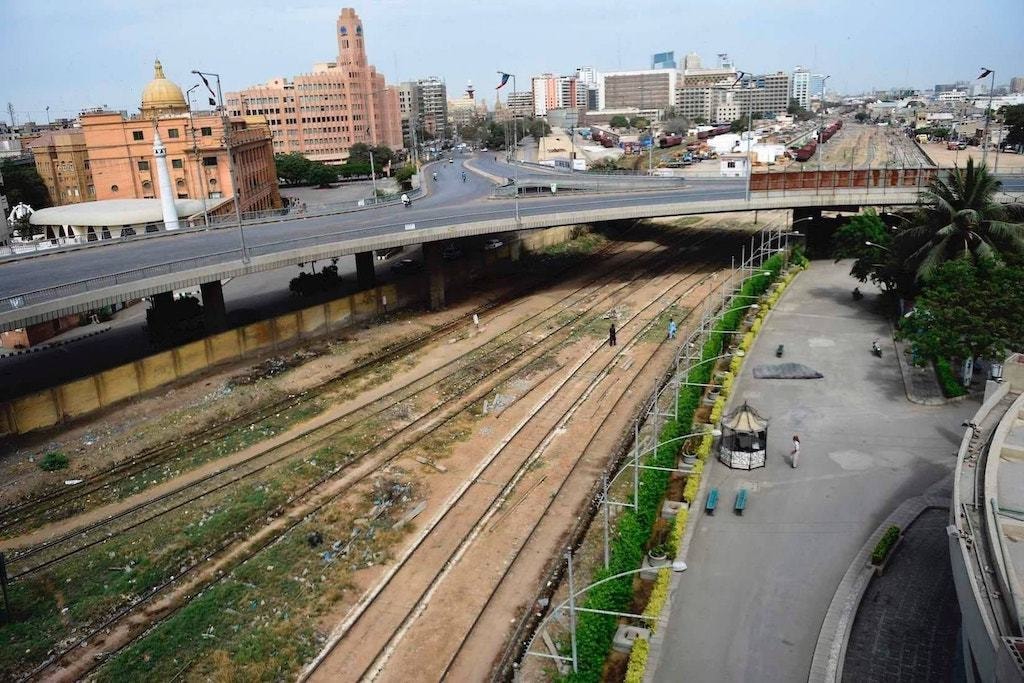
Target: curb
point(834, 635)
point(63, 342)
point(468, 163)
point(905, 370)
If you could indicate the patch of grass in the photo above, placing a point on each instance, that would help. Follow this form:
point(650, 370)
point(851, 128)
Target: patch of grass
point(52, 461)
point(885, 544)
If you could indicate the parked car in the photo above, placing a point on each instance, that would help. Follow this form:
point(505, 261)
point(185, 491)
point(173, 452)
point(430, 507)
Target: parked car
point(492, 243)
point(451, 252)
point(406, 265)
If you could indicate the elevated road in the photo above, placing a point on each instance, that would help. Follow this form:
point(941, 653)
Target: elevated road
point(64, 282)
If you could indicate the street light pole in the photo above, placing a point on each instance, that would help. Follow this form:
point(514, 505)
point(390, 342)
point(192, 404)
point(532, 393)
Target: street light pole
point(237, 191)
point(199, 161)
point(515, 145)
point(988, 110)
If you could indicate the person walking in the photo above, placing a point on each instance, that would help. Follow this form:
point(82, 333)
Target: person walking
point(794, 454)
point(672, 328)
point(611, 335)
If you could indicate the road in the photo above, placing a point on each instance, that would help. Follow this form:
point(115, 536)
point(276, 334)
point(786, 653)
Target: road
point(758, 586)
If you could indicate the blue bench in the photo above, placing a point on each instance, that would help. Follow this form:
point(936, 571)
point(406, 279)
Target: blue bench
point(741, 501)
point(712, 501)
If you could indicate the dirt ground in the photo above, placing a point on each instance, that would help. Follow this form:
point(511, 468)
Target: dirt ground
point(947, 158)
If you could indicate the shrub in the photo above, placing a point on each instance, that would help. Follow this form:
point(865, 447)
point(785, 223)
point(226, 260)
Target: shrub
point(951, 386)
point(885, 544)
point(54, 460)
point(734, 364)
point(637, 661)
point(691, 488)
point(659, 595)
point(717, 409)
point(748, 341)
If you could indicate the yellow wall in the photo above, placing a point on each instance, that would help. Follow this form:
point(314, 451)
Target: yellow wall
point(83, 396)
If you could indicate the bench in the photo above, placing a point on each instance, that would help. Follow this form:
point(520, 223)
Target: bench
point(712, 501)
point(779, 350)
point(741, 501)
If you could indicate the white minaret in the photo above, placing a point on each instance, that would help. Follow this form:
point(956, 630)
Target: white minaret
point(164, 181)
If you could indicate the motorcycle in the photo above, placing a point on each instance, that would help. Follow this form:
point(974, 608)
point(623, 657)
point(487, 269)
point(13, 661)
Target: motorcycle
point(406, 202)
point(876, 349)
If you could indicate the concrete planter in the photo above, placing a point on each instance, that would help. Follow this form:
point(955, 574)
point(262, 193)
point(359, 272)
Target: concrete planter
point(880, 568)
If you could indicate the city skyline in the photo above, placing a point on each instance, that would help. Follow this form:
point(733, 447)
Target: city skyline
point(410, 40)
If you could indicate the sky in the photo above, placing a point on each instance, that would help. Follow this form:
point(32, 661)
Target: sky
point(69, 55)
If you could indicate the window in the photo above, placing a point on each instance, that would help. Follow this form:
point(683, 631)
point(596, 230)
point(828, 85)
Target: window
point(172, 132)
point(136, 135)
point(85, 164)
point(143, 165)
point(209, 161)
point(206, 131)
point(215, 195)
point(731, 164)
point(183, 195)
point(177, 163)
point(113, 188)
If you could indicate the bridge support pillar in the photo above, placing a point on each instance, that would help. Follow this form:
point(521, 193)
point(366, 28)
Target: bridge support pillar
point(366, 276)
point(435, 274)
point(812, 226)
point(162, 301)
point(515, 248)
point(214, 312)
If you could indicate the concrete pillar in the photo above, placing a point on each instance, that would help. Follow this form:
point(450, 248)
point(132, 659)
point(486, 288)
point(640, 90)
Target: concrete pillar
point(819, 232)
point(214, 311)
point(515, 248)
point(162, 300)
point(366, 276)
point(435, 274)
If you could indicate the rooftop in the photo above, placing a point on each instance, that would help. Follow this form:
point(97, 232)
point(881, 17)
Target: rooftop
point(111, 212)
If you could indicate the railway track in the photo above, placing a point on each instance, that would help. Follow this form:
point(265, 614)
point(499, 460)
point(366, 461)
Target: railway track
point(104, 530)
point(57, 500)
point(408, 616)
point(260, 544)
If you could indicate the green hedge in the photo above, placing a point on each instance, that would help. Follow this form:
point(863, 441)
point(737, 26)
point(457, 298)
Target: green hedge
point(951, 386)
point(885, 544)
point(594, 632)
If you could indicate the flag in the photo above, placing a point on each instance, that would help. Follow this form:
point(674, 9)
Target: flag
point(504, 79)
point(984, 72)
point(212, 98)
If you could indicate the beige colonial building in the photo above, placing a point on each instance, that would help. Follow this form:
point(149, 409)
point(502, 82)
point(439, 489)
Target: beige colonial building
point(323, 113)
point(110, 155)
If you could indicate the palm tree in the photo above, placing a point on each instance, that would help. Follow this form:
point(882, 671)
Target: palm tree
point(962, 221)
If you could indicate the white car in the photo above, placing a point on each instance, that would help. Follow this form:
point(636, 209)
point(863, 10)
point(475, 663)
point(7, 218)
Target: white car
point(492, 244)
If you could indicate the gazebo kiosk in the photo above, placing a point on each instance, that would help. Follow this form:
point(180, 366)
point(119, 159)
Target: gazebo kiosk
point(744, 439)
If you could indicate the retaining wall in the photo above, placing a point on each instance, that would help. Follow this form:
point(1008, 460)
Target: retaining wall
point(83, 396)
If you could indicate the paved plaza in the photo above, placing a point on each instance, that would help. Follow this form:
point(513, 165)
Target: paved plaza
point(751, 604)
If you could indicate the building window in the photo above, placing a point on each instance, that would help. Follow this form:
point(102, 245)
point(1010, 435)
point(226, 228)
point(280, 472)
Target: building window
point(85, 164)
point(215, 195)
point(206, 131)
point(209, 161)
point(183, 195)
point(136, 135)
point(172, 132)
point(113, 188)
point(177, 163)
point(143, 165)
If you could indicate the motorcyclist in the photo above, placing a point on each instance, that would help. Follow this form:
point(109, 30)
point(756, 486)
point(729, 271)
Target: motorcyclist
point(405, 200)
point(463, 176)
point(876, 349)
point(857, 296)
point(435, 176)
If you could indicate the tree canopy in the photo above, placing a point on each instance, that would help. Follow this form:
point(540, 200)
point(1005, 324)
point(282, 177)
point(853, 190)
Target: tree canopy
point(962, 220)
point(967, 310)
point(639, 122)
point(23, 185)
point(619, 121)
point(1013, 116)
point(538, 128)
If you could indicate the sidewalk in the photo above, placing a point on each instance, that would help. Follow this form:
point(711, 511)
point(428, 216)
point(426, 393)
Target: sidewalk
point(758, 586)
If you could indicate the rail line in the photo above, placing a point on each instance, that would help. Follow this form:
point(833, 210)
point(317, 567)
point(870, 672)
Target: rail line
point(156, 456)
point(361, 610)
point(295, 520)
point(388, 400)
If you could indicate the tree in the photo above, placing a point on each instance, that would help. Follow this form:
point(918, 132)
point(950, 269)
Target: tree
point(359, 153)
point(321, 175)
point(1013, 116)
point(677, 125)
point(23, 185)
point(619, 121)
point(382, 156)
point(880, 264)
point(739, 125)
point(962, 221)
point(404, 175)
point(538, 128)
point(967, 310)
point(292, 168)
point(700, 121)
point(639, 122)
point(862, 116)
point(354, 169)
point(495, 138)
point(797, 111)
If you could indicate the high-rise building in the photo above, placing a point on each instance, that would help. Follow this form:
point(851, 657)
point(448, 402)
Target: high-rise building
point(323, 113)
point(801, 87)
point(816, 86)
point(691, 61)
point(554, 92)
point(432, 105)
point(663, 60)
point(649, 89)
point(1017, 84)
point(521, 103)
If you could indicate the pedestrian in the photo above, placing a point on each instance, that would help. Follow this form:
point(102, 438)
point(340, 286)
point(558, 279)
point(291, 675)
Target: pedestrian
point(672, 328)
point(795, 453)
point(611, 335)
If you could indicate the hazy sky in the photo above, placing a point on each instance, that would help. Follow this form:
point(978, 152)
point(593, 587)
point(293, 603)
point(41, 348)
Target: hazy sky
point(73, 54)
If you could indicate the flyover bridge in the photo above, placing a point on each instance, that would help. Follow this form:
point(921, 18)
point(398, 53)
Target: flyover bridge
point(63, 282)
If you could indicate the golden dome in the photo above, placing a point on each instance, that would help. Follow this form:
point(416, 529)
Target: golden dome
point(161, 95)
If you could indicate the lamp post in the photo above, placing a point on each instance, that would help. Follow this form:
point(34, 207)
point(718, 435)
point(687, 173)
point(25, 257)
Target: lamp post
point(877, 246)
point(515, 145)
point(199, 161)
point(236, 190)
point(988, 110)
